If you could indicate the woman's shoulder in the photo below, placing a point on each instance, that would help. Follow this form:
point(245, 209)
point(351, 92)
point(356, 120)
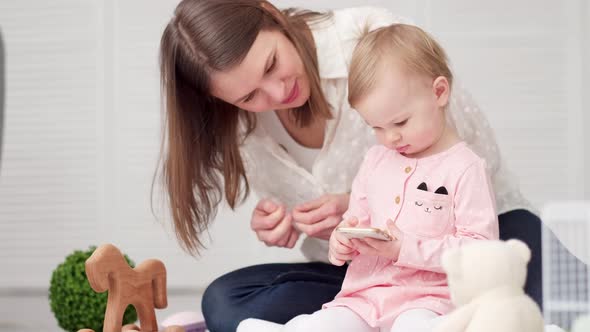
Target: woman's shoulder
point(336, 38)
point(352, 22)
point(359, 16)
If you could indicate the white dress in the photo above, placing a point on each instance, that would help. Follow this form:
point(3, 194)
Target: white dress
point(273, 173)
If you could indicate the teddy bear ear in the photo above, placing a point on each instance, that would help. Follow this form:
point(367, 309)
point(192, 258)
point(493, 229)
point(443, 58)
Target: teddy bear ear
point(449, 259)
point(521, 248)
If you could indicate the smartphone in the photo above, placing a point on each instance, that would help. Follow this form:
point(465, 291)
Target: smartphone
point(359, 233)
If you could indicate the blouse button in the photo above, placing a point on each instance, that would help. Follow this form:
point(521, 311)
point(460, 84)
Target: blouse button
point(408, 169)
point(397, 200)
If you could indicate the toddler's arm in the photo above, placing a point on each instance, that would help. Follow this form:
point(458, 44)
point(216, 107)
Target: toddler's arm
point(358, 206)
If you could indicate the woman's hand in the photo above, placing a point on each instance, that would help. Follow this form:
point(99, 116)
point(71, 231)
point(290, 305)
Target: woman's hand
point(375, 247)
point(319, 217)
point(273, 225)
point(341, 249)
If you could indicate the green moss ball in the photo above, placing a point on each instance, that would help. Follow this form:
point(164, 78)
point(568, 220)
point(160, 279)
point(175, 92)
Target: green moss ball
point(73, 302)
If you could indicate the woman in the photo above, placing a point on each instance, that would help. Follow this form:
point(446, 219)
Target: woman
point(256, 97)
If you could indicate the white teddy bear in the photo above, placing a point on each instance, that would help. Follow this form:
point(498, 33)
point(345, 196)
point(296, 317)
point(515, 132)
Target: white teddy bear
point(486, 280)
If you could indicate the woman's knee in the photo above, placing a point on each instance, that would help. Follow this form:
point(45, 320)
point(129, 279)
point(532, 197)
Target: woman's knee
point(217, 305)
point(525, 226)
point(215, 294)
point(520, 224)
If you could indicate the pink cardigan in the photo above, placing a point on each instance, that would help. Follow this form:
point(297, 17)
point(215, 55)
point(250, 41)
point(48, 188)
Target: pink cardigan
point(438, 202)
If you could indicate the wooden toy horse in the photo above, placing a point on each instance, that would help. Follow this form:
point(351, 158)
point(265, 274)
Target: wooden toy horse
point(143, 287)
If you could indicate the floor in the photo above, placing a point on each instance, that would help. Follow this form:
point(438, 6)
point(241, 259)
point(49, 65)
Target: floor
point(17, 310)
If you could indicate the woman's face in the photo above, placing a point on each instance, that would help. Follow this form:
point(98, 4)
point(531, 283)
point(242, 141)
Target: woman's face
point(271, 77)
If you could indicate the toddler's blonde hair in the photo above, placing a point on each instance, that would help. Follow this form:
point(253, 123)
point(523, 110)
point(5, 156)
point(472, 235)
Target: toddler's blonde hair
point(415, 50)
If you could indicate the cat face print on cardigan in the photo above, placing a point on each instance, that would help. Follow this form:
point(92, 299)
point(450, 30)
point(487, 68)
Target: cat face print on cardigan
point(429, 208)
point(427, 214)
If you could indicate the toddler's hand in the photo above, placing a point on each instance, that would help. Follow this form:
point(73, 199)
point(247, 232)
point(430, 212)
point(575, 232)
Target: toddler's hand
point(341, 249)
point(387, 249)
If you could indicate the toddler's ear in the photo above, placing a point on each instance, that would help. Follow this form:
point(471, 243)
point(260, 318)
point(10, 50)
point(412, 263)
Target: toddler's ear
point(441, 90)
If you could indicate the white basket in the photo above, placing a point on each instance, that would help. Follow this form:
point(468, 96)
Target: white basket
point(566, 280)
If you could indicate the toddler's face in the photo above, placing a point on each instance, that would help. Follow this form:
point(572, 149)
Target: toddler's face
point(404, 111)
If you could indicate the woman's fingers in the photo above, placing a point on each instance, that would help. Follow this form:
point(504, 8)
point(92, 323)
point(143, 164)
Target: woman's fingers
point(292, 239)
point(266, 206)
point(311, 205)
point(263, 221)
point(278, 236)
point(321, 229)
point(312, 216)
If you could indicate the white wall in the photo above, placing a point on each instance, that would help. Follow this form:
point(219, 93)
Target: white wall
point(81, 142)
point(82, 122)
point(585, 13)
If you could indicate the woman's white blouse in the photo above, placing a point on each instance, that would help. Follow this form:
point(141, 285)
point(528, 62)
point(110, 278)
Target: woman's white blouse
point(273, 173)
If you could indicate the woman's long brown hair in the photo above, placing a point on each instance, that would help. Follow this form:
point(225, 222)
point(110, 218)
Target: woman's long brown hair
point(202, 134)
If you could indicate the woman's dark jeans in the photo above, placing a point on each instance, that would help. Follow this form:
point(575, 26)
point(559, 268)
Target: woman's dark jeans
point(279, 292)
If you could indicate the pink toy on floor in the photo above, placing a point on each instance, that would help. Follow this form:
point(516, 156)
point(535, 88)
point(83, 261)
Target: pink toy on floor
point(191, 321)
